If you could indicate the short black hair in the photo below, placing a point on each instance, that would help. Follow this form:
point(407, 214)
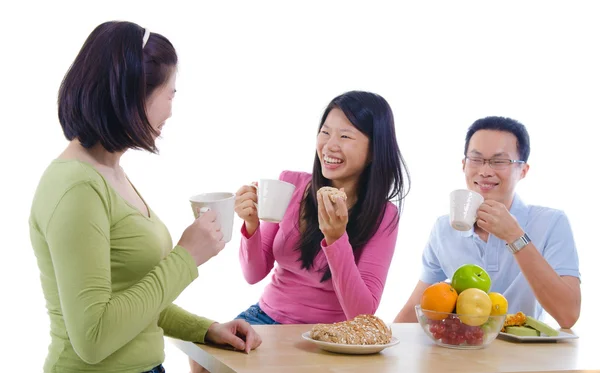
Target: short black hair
point(103, 95)
point(505, 125)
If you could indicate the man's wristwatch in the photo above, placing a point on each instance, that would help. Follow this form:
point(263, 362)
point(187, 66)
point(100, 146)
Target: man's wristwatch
point(520, 243)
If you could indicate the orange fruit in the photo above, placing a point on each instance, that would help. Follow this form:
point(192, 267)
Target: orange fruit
point(440, 297)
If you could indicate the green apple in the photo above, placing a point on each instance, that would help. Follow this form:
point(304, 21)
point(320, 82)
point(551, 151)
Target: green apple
point(470, 276)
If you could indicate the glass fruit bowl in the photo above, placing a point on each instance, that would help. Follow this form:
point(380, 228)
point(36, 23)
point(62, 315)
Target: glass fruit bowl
point(466, 332)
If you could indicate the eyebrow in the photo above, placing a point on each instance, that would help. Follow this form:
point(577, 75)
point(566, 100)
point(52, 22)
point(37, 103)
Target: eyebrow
point(351, 130)
point(475, 152)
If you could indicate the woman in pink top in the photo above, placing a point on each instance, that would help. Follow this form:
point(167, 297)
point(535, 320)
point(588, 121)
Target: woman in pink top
point(332, 258)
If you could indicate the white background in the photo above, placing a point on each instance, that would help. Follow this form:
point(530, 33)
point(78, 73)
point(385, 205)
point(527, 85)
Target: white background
point(254, 78)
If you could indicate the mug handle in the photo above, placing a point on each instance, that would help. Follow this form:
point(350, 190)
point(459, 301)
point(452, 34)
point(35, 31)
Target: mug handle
point(201, 211)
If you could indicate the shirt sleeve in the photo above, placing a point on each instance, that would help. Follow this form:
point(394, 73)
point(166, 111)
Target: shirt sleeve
point(359, 286)
point(431, 271)
point(98, 321)
point(560, 250)
point(181, 324)
point(256, 251)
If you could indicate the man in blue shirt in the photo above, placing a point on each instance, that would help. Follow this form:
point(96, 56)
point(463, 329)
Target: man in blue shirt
point(528, 251)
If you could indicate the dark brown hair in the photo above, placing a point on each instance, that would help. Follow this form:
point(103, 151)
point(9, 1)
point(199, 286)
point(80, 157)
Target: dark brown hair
point(384, 179)
point(103, 95)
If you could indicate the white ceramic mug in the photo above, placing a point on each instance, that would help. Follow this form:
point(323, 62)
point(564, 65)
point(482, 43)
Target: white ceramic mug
point(222, 203)
point(463, 208)
point(274, 197)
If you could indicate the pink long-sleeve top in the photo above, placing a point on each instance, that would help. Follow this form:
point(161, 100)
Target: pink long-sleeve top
point(296, 295)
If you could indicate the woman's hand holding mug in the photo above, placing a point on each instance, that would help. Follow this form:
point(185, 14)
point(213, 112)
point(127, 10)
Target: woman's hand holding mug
point(203, 239)
point(246, 200)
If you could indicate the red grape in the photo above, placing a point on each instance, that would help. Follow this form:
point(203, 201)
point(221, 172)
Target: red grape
point(478, 333)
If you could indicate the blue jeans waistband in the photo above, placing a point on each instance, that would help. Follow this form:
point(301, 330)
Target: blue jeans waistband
point(156, 369)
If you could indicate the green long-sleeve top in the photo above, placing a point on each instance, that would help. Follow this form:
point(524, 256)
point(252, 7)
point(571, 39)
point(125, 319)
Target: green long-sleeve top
point(109, 275)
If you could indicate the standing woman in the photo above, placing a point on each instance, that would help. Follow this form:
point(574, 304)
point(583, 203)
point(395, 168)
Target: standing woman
point(109, 271)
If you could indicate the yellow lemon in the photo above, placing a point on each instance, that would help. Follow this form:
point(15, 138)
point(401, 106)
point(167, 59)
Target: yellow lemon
point(499, 304)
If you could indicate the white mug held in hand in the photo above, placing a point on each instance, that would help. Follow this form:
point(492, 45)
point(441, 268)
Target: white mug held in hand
point(222, 204)
point(274, 196)
point(463, 208)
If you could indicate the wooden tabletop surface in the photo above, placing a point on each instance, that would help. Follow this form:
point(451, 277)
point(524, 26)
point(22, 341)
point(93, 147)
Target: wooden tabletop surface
point(284, 350)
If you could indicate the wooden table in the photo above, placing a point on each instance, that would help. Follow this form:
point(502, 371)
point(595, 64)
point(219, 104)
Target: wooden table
point(284, 350)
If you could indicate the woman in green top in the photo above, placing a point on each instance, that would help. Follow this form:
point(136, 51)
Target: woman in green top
point(109, 271)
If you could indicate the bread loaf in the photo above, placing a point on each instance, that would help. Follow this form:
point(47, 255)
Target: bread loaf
point(362, 330)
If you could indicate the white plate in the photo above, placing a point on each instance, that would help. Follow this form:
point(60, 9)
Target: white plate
point(350, 349)
point(542, 338)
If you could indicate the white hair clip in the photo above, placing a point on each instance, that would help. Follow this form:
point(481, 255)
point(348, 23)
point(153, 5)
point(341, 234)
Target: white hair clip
point(146, 37)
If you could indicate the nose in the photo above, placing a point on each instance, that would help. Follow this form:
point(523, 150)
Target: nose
point(486, 169)
point(332, 144)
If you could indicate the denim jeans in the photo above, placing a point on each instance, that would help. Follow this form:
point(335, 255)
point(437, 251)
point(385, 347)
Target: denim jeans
point(156, 369)
point(256, 316)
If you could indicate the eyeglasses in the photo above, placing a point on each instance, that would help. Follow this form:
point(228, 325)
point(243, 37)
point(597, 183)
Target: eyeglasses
point(495, 163)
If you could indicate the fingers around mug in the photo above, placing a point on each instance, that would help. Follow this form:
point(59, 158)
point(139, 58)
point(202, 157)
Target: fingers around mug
point(250, 195)
point(243, 189)
point(215, 226)
point(247, 212)
point(252, 187)
point(248, 204)
point(246, 209)
point(208, 217)
point(201, 211)
point(242, 194)
point(248, 188)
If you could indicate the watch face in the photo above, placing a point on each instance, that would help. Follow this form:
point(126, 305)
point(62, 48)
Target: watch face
point(519, 244)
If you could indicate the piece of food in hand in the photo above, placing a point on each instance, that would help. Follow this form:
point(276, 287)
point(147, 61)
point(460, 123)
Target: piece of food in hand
point(362, 330)
point(522, 331)
point(541, 327)
point(332, 193)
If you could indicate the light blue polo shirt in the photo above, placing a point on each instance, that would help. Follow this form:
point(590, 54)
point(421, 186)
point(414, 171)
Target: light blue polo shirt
point(549, 230)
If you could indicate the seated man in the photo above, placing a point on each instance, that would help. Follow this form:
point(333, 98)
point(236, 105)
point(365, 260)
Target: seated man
point(528, 251)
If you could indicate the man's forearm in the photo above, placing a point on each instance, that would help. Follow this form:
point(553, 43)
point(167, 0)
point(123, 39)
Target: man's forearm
point(407, 314)
point(560, 297)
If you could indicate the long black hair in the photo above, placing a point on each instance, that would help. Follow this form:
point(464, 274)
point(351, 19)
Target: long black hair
point(384, 179)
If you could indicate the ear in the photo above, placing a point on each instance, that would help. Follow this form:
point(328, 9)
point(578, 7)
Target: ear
point(464, 164)
point(524, 171)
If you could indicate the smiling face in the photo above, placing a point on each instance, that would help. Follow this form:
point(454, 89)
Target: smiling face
point(497, 183)
point(159, 103)
point(342, 149)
